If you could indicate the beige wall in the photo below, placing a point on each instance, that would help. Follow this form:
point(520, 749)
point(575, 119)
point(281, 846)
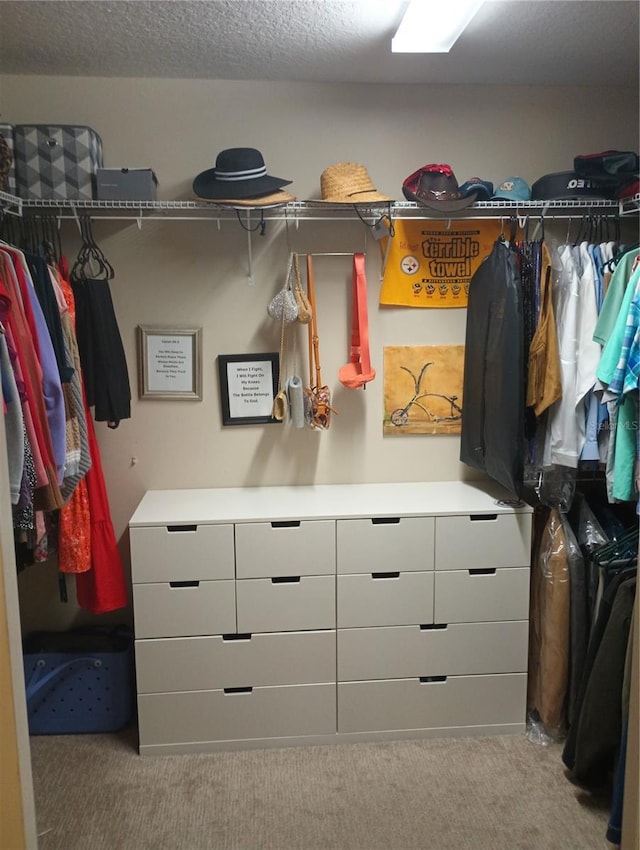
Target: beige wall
point(192, 273)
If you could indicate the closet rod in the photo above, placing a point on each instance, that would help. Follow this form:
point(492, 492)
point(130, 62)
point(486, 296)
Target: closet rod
point(218, 217)
point(400, 217)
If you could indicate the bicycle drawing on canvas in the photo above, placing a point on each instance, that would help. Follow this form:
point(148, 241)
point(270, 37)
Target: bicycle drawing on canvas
point(400, 416)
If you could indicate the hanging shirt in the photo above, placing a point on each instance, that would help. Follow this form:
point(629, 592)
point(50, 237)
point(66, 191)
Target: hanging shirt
point(588, 354)
point(14, 421)
point(565, 433)
point(544, 386)
point(74, 525)
point(614, 297)
point(15, 315)
point(617, 347)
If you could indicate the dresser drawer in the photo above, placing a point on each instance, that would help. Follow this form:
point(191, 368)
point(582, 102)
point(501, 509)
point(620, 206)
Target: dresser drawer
point(271, 549)
point(400, 652)
point(384, 599)
point(483, 540)
point(470, 597)
point(175, 552)
point(376, 545)
point(276, 605)
point(412, 704)
point(278, 712)
point(207, 663)
point(189, 608)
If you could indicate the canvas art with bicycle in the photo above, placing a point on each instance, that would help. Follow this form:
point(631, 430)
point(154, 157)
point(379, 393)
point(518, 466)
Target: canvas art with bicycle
point(423, 389)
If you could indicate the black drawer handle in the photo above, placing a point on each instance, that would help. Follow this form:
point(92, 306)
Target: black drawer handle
point(237, 690)
point(246, 636)
point(384, 520)
point(172, 528)
point(483, 517)
point(490, 571)
point(430, 627)
point(184, 584)
point(385, 575)
point(285, 580)
point(425, 680)
point(289, 523)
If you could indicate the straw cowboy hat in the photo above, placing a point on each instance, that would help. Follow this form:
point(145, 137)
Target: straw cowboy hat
point(349, 183)
point(239, 173)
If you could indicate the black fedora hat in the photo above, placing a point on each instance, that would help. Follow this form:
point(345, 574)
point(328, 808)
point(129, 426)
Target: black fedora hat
point(239, 173)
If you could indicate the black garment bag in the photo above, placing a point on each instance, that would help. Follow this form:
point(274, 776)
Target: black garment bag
point(492, 437)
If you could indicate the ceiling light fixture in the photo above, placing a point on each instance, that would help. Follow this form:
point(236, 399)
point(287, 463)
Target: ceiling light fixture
point(433, 26)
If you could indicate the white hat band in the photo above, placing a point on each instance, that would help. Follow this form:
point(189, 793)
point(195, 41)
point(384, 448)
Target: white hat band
point(249, 174)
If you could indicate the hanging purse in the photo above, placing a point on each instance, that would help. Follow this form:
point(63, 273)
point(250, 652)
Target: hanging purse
point(357, 372)
point(318, 408)
point(280, 402)
point(304, 307)
point(283, 305)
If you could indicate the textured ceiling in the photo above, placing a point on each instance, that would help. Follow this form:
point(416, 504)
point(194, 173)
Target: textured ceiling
point(544, 42)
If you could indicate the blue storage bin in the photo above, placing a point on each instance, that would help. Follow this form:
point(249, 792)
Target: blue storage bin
point(79, 681)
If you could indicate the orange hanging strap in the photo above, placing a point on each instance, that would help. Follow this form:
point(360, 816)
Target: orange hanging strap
point(314, 344)
point(357, 372)
point(359, 317)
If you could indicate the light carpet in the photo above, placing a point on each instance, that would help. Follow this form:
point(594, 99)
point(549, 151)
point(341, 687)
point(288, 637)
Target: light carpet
point(94, 792)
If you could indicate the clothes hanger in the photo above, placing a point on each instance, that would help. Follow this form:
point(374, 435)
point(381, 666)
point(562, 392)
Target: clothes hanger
point(95, 253)
point(582, 231)
point(617, 552)
point(89, 254)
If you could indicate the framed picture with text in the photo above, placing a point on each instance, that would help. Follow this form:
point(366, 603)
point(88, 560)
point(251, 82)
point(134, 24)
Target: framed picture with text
point(248, 386)
point(169, 363)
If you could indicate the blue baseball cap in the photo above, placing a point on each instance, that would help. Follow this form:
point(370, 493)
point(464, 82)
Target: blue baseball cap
point(513, 189)
point(482, 189)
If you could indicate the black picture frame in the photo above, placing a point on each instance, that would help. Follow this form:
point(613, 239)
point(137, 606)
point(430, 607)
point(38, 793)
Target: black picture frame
point(248, 381)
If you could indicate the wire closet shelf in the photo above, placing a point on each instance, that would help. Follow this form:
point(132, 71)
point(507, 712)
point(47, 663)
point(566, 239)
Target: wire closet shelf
point(310, 210)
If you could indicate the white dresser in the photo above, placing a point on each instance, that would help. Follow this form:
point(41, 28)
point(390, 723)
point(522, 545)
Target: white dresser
point(271, 616)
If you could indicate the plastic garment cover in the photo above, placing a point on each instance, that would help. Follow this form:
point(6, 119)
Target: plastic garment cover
point(492, 435)
point(556, 487)
point(578, 617)
point(549, 631)
point(590, 536)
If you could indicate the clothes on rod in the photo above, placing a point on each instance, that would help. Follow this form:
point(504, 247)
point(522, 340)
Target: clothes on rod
point(592, 746)
point(57, 487)
point(618, 373)
point(102, 354)
point(579, 329)
point(104, 365)
point(40, 411)
point(574, 562)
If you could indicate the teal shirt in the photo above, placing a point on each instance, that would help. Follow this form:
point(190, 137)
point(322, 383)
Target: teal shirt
point(625, 436)
point(612, 303)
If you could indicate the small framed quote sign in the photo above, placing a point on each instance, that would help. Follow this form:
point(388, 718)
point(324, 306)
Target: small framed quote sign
point(248, 386)
point(169, 363)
